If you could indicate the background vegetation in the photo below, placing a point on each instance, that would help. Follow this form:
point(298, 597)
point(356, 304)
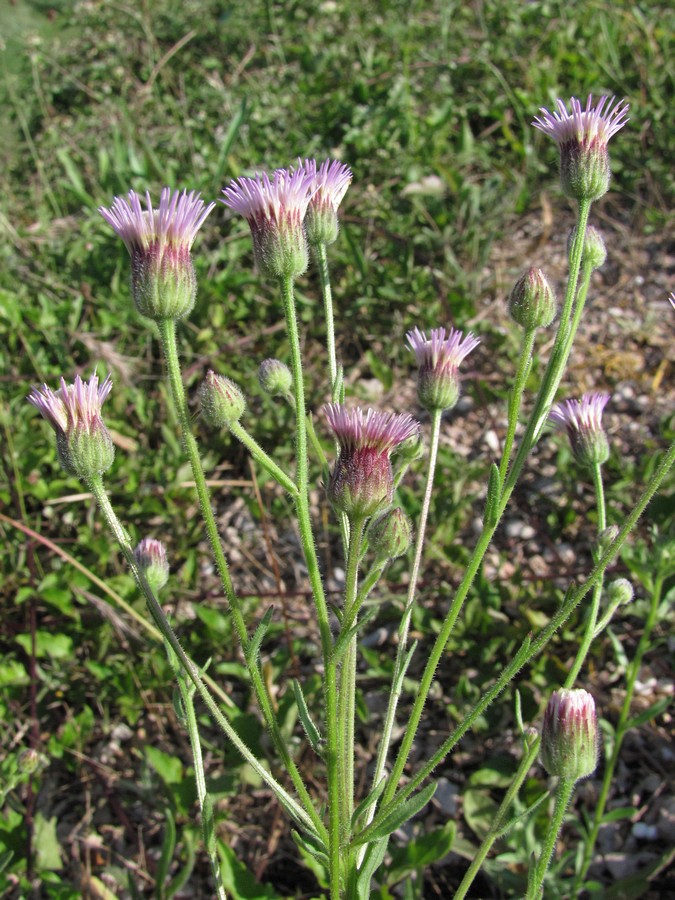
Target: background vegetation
point(430, 103)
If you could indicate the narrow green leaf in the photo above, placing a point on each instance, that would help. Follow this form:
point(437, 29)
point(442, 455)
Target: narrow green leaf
point(368, 801)
point(168, 847)
point(647, 715)
point(230, 136)
point(404, 667)
point(253, 648)
point(371, 863)
point(345, 636)
point(492, 498)
point(312, 732)
point(619, 814)
point(396, 818)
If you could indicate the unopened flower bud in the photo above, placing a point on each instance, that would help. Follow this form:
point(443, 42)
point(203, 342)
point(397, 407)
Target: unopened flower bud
point(275, 378)
point(221, 400)
point(411, 449)
point(389, 535)
point(595, 252)
point(28, 761)
point(151, 558)
point(532, 301)
point(620, 592)
point(569, 738)
point(530, 735)
point(83, 442)
point(606, 537)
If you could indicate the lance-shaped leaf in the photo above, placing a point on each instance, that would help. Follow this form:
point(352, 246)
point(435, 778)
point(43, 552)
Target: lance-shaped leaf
point(394, 819)
point(312, 732)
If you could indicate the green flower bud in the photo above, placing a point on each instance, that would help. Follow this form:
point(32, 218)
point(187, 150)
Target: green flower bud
point(595, 252)
point(275, 378)
point(151, 558)
point(222, 401)
point(620, 592)
point(532, 301)
point(390, 534)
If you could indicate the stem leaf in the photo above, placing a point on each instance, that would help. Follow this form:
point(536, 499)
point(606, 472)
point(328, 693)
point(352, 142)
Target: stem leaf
point(253, 648)
point(368, 801)
point(396, 817)
point(312, 732)
point(647, 715)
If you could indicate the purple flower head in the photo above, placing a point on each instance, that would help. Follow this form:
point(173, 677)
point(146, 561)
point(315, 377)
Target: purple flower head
point(362, 482)
point(569, 738)
point(163, 280)
point(439, 357)
point(582, 136)
point(275, 210)
point(328, 185)
point(83, 442)
point(583, 421)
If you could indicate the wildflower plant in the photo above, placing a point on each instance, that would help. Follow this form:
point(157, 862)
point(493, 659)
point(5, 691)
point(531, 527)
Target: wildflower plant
point(289, 211)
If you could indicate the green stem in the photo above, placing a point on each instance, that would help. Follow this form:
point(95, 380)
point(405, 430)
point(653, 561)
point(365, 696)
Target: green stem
point(309, 550)
point(551, 380)
point(404, 626)
point(346, 701)
point(515, 400)
point(531, 648)
point(621, 730)
point(498, 821)
point(322, 257)
point(200, 780)
point(263, 459)
point(167, 330)
point(589, 632)
point(295, 809)
point(562, 801)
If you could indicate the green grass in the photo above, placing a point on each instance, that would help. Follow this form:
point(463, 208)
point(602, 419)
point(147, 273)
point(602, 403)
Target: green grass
point(97, 98)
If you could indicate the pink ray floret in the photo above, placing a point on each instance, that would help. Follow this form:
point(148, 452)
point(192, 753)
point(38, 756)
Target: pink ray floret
point(373, 430)
point(583, 126)
point(328, 181)
point(583, 415)
point(175, 222)
point(264, 201)
point(76, 405)
point(441, 348)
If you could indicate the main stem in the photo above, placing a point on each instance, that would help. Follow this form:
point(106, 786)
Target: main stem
point(309, 550)
point(346, 701)
point(167, 330)
point(562, 801)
